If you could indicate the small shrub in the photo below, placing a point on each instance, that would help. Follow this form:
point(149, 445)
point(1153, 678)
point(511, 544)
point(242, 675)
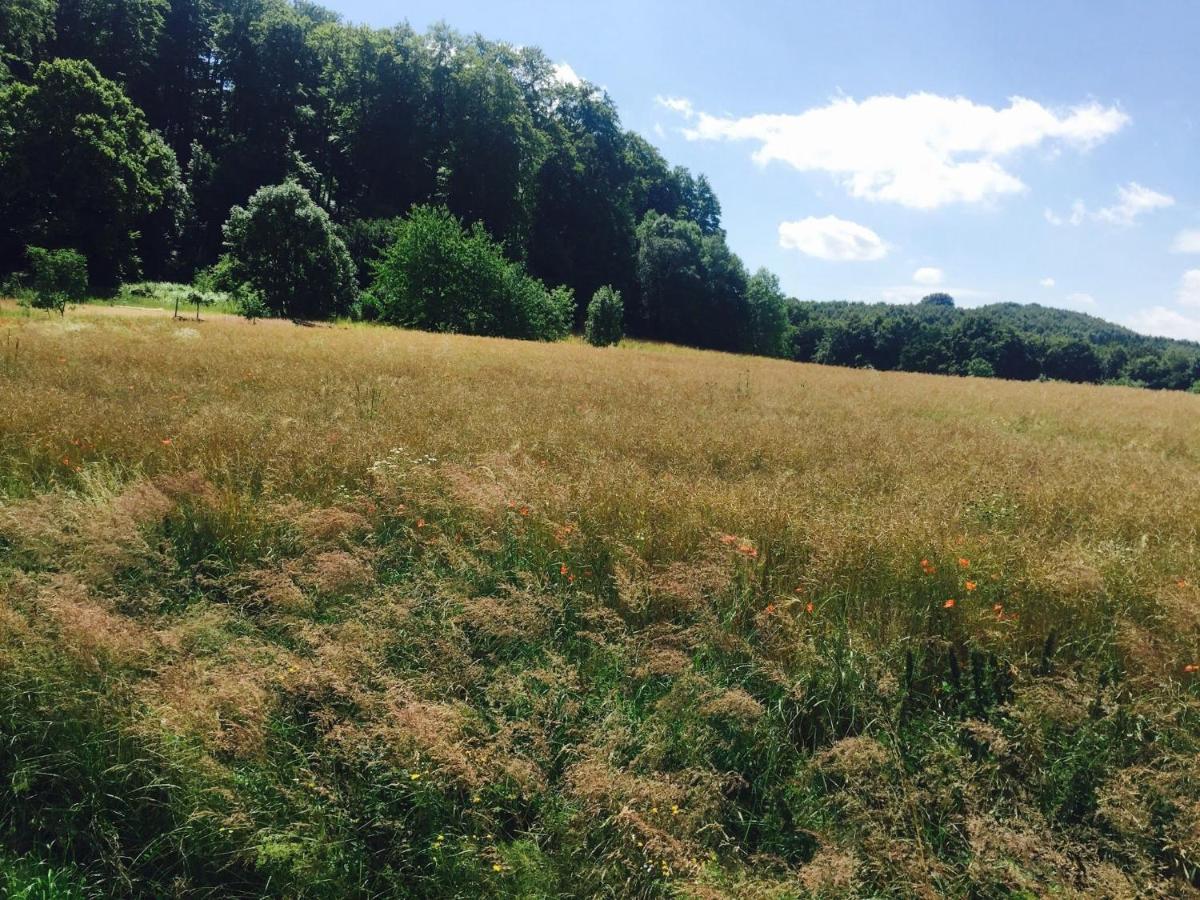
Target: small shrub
point(605, 318)
point(57, 277)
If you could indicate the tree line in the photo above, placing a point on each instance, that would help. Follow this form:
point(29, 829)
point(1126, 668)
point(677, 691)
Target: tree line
point(436, 180)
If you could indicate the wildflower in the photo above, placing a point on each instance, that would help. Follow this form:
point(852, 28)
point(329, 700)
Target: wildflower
point(1182, 583)
point(674, 810)
point(570, 579)
point(809, 608)
point(770, 609)
point(970, 586)
point(927, 567)
point(66, 461)
point(496, 867)
point(728, 539)
point(949, 604)
point(963, 562)
point(524, 510)
point(747, 550)
point(420, 523)
point(1191, 667)
point(414, 776)
point(563, 570)
point(166, 442)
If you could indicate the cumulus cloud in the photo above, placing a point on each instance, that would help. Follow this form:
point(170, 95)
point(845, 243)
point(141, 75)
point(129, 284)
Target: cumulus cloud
point(1076, 216)
point(1187, 241)
point(833, 239)
point(1080, 301)
point(1164, 322)
point(564, 74)
point(929, 275)
point(1189, 288)
point(921, 151)
point(680, 105)
point(1133, 200)
point(1047, 282)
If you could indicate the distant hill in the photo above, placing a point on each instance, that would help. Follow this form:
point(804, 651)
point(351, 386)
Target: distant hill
point(1008, 340)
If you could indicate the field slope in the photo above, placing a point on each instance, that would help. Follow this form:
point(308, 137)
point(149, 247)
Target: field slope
point(357, 612)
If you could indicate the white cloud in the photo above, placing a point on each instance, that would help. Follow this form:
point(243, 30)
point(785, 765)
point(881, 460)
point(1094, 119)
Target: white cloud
point(1189, 288)
point(1047, 282)
point(1077, 215)
point(1187, 241)
point(928, 275)
point(1133, 199)
point(1080, 301)
point(832, 239)
point(921, 151)
point(1163, 322)
point(564, 74)
point(681, 105)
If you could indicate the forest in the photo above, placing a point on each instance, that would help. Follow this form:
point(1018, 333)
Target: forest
point(274, 151)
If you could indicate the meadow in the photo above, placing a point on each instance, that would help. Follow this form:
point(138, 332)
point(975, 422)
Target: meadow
point(349, 611)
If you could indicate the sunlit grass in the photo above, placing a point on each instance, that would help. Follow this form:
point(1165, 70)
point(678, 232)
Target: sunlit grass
point(362, 611)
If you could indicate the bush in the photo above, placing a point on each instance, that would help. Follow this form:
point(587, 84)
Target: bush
point(285, 248)
point(439, 276)
point(605, 318)
point(56, 277)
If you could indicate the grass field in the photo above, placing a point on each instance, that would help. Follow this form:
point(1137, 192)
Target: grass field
point(357, 612)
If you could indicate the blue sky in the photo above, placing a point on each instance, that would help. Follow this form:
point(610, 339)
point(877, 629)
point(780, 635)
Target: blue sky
point(1037, 152)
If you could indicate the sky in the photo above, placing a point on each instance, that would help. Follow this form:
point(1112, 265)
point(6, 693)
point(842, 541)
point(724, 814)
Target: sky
point(1037, 152)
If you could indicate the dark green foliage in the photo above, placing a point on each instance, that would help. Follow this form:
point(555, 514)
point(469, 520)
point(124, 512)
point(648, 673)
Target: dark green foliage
point(938, 299)
point(605, 318)
point(769, 329)
point(284, 246)
point(693, 287)
point(56, 277)
point(1004, 340)
point(80, 168)
point(25, 27)
point(440, 276)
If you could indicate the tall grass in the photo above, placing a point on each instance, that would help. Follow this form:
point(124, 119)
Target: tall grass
point(358, 612)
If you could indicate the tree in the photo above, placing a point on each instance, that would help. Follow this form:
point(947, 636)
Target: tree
point(285, 247)
point(693, 286)
point(440, 276)
point(938, 299)
point(769, 329)
point(25, 27)
point(1072, 360)
point(56, 277)
point(79, 168)
point(605, 318)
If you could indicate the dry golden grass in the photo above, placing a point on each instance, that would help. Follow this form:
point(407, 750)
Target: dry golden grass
point(432, 549)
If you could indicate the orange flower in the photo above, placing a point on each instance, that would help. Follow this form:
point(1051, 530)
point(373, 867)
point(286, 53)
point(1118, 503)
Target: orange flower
point(66, 460)
point(1191, 667)
point(809, 608)
point(949, 604)
point(420, 523)
point(770, 608)
point(963, 562)
point(728, 539)
point(563, 570)
point(570, 579)
point(524, 510)
point(1182, 582)
point(749, 551)
point(970, 586)
point(166, 442)
point(927, 567)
